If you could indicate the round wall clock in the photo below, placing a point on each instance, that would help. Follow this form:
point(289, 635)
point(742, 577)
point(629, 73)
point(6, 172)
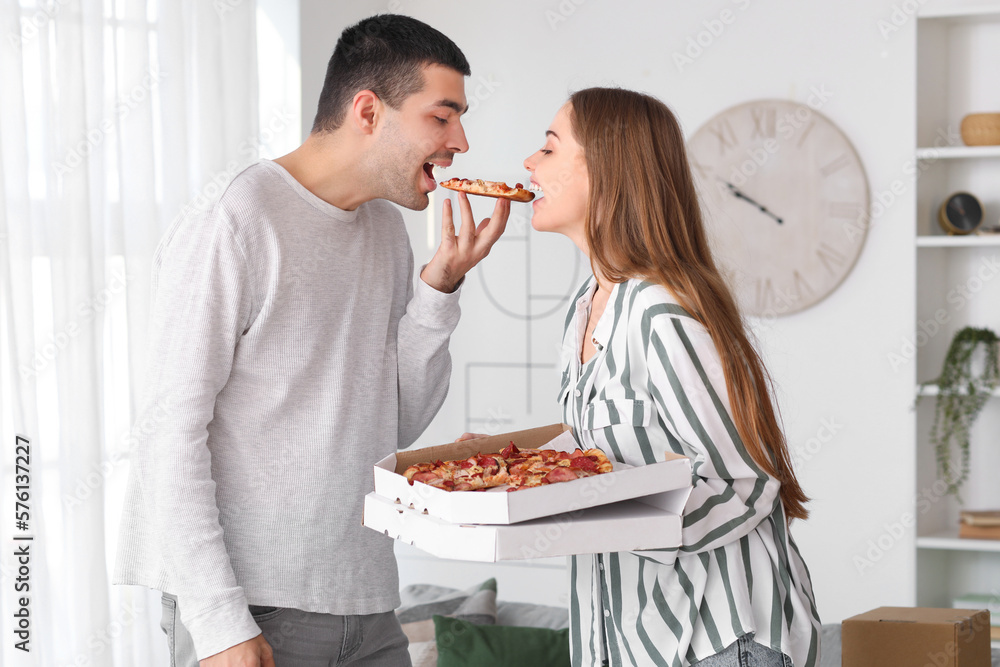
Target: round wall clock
point(785, 200)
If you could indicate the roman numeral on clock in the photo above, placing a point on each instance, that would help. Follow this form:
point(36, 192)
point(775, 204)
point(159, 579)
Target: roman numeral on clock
point(802, 288)
point(764, 295)
point(724, 133)
point(701, 169)
point(838, 163)
point(845, 209)
point(764, 122)
point(805, 133)
point(830, 257)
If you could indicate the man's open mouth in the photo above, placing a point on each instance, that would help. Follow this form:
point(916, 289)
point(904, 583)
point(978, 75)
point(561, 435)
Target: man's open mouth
point(429, 172)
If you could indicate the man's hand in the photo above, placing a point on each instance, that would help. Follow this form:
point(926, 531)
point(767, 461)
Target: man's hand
point(254, 652)
point(457, 254)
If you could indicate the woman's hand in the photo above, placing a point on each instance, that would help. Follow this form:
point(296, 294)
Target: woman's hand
point(470, 436)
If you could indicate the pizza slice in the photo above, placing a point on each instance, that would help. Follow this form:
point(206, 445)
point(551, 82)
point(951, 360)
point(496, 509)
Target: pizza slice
point(479, 472)
point(489, 189)
point(472, 474)
point(530, 468)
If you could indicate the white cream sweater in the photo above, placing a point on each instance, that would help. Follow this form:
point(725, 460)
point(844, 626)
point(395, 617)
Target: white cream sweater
point(288, 353)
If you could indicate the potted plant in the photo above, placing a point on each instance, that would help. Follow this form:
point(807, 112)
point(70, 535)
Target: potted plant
point(970, 373)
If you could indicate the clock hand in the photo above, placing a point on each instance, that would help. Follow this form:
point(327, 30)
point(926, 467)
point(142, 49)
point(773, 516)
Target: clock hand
point(740, 195)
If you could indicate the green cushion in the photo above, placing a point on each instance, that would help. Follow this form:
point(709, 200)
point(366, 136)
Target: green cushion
point(463, 644)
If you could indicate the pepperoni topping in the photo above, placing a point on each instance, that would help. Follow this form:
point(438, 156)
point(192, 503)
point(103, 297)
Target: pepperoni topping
point(517, 468)
point(426, 476)
point(560, 475)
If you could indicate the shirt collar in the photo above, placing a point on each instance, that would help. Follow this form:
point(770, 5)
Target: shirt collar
point(602, 332)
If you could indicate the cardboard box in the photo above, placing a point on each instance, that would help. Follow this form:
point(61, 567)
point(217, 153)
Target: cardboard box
point(980, 601)
point(916, 637)
point(497, 506)
point(630, 525)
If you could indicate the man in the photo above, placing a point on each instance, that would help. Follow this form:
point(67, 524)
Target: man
point(293, 351)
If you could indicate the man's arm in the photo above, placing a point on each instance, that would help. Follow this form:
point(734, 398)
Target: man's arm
point(202, 306)
point(432, 312)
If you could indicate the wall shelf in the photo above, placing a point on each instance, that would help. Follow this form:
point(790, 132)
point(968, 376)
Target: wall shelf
point(957, 46)
point(958, 152)
point(971, 241)
point(977, 13)
point(952, 542)
point(933, 390)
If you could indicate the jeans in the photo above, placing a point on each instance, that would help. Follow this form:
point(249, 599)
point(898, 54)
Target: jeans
point(306, 639)
point(745, 652)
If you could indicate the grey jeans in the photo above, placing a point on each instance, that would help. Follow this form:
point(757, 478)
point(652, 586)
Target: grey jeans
point(745, 652)
point(306, 639)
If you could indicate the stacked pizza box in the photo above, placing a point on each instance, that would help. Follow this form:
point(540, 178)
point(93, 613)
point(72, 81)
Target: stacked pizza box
point(627, 509)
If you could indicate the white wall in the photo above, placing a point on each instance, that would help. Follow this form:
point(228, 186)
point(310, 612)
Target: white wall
point(280, 80)
point(846, 410)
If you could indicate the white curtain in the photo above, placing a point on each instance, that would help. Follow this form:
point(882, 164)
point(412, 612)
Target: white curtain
point(116, 116)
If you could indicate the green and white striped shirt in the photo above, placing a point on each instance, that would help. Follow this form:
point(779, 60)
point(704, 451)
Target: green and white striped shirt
point(655, 385)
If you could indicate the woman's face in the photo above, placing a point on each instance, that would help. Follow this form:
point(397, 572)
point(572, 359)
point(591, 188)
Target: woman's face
point(559, 171)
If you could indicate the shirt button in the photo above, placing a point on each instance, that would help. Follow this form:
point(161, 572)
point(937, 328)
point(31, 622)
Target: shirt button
point(607, 612)
point(578, 393)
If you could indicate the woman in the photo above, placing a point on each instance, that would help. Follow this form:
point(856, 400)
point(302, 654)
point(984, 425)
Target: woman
point(656, 359)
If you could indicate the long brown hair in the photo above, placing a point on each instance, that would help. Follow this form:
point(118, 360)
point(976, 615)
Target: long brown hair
point(643, 220)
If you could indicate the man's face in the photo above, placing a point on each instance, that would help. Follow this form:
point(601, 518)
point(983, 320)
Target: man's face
point(426, 130)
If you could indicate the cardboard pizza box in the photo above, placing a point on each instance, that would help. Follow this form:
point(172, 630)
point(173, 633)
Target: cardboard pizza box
point(629, 525)
point(664, 484)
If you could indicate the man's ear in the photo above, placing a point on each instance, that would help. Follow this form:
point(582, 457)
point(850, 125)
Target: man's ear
point(366, 111)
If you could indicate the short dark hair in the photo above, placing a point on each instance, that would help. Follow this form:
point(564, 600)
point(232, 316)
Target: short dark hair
point(384, 53)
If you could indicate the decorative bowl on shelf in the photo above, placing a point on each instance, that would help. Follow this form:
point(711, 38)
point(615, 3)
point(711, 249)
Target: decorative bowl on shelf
point(981, 129)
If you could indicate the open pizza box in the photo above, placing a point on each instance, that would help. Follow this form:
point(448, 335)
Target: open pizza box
point(629, 525)
point(664, 484)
